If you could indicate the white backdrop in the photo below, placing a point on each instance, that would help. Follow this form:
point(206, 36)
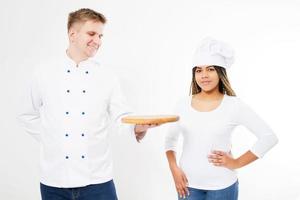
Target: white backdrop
point(149, 44)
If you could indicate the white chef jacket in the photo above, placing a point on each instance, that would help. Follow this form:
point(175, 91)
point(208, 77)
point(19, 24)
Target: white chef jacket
point(206, 131)
point(68, 110)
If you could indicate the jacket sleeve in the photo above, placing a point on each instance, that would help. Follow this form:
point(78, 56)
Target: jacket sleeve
point(31, 102)
point(118, 107)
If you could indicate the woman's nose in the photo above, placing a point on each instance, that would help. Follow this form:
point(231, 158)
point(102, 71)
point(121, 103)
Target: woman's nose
point(204, 74)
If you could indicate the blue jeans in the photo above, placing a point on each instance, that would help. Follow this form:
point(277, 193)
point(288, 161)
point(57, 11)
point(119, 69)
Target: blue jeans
point(103, 191)
point(229, 193)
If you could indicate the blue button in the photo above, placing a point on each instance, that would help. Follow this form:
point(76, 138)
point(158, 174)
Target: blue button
point(82, 157)
point(67, 113)
point(67, 157)
point(67, 135)
point(83, 113)
point(87, 72)
point(82, 134)
point(68, 71)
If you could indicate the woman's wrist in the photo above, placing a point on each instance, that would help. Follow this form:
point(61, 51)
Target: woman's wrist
point(173, 166)
point(237, 163)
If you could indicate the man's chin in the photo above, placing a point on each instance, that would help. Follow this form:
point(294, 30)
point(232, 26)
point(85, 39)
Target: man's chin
point(91, 54)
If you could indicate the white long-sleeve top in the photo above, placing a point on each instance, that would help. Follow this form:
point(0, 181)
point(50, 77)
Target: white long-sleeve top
point(206, 131)
point(68, 109)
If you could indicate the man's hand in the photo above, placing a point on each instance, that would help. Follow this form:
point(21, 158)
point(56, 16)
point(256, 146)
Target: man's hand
point(141, 130)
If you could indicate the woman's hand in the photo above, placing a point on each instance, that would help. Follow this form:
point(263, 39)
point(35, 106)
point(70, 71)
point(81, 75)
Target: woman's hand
point(223, 159)
point(181, 182)
point(141, 130)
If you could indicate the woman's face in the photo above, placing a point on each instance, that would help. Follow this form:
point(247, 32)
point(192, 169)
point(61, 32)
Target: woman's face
point(207, 78)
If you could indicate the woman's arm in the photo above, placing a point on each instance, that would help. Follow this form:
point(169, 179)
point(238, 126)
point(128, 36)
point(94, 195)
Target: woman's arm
point(220, 158)
point(179, 177)
point(266, 139)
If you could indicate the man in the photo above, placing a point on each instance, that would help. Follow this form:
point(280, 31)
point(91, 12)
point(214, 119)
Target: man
point(72, 100)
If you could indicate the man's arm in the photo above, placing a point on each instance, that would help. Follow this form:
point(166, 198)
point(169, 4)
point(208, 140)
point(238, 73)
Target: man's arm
point(29, 116)
point(141, 130)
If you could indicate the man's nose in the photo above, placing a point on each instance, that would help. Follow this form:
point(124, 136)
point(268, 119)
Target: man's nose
point(97, 40)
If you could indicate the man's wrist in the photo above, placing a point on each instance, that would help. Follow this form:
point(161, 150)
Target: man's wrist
point(136, 130)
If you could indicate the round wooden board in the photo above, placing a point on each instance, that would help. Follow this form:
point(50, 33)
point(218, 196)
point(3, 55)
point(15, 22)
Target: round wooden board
point(149, 119)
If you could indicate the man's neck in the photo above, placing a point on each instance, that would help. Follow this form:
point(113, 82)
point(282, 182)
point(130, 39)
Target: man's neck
point(75, 55)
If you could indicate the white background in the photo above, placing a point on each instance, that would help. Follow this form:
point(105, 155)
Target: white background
point(149, 44)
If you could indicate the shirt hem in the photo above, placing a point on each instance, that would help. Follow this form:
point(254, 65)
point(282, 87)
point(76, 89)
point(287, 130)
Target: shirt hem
point(76, 185)
point(219, 187)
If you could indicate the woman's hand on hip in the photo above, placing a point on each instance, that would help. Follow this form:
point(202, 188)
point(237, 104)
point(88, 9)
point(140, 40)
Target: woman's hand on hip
point(222, 159)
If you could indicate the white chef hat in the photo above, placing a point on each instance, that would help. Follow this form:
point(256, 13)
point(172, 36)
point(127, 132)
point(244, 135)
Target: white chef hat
point(213, 52)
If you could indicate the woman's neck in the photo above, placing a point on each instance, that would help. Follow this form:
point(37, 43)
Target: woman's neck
point(210, 95)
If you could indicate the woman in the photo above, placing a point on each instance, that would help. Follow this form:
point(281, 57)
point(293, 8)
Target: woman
point(207, 120)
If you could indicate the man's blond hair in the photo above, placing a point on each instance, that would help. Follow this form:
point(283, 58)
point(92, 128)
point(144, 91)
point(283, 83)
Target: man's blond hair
point(83, 15)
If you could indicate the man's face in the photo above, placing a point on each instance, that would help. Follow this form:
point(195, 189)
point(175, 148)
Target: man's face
point(86, 37)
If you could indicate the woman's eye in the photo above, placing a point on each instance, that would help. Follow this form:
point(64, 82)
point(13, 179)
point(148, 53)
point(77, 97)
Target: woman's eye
point(198, 71)
point(211, 69)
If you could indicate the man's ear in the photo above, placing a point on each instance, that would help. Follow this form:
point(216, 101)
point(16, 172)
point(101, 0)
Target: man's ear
point(71, 34)
point(73, 31)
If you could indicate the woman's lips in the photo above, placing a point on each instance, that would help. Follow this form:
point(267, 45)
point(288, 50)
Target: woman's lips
point(205, 82)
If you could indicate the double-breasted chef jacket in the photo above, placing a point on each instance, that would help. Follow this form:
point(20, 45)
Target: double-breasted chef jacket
point(68, 109)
